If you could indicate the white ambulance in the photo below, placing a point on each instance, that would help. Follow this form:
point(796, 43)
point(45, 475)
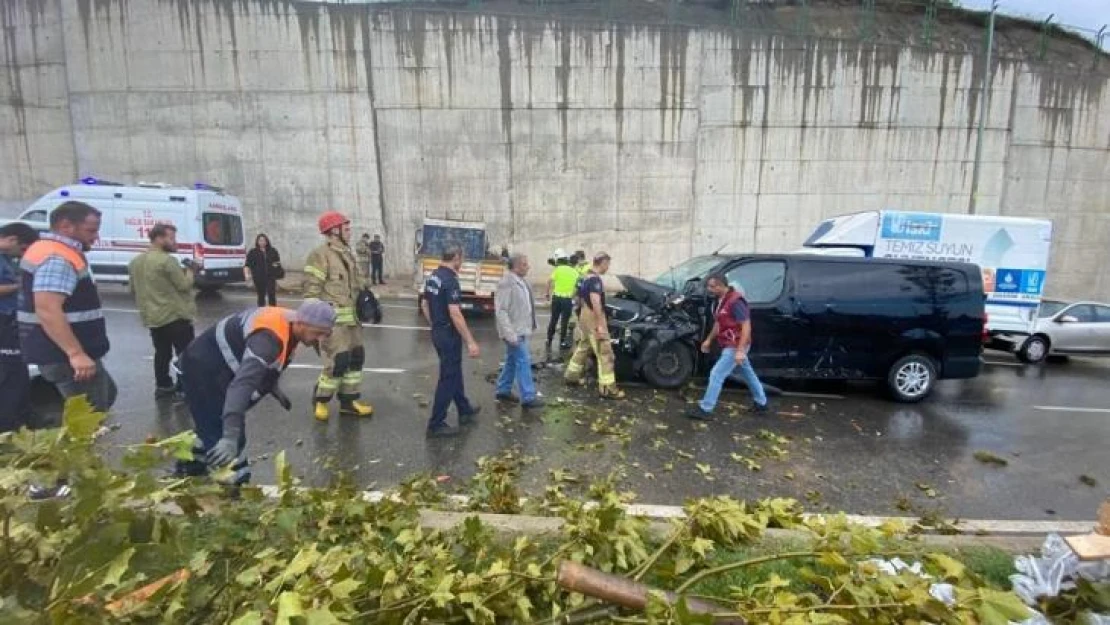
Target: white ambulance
point(1012, 253)
point(209, 226)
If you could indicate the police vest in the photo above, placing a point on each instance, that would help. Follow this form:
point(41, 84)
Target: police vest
point(232, 333)
point(81, 308)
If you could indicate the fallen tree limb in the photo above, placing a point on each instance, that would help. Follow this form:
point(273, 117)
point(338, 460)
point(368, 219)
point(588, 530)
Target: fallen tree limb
point(627, 593)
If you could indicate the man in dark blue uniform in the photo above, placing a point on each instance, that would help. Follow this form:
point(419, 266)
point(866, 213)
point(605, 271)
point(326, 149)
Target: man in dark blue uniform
point(15, 385)
point(442, 308)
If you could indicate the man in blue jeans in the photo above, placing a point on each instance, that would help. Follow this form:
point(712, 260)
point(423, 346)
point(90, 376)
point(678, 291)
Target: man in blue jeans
point(732, 328)
point(516, 321)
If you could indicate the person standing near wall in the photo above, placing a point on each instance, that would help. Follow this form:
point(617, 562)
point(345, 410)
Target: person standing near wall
point(442, 307)
point(560, 292)
point(362, 251)
point(164, 294)
point(15, 384)
point(732, 329)
point(377, 260)
point(61, 324)
point(593, 333)
point(332, 274)
point(264, 270)
point(516, 321)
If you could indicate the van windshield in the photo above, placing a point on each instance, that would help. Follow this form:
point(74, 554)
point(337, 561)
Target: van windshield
point(696, 267)
point(222, 229)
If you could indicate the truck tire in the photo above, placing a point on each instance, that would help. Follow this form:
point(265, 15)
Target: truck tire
point(1034, 350)
point(670, 366)
point(911, 378)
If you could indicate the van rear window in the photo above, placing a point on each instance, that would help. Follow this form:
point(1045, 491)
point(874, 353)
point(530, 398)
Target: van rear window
point(222, 229)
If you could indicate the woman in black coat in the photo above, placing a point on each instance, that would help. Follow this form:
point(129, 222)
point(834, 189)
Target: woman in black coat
point(264, 269)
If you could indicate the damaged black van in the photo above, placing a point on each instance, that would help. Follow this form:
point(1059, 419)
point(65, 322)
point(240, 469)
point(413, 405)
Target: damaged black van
point(907, 323)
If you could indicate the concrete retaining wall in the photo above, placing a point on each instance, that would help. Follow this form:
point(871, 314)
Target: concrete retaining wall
point(649, 141)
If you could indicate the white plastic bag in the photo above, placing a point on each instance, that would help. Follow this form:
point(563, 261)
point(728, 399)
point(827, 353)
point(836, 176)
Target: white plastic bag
point(1053, 572)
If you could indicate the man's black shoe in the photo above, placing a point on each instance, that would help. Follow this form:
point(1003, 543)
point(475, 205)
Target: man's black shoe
point(534, 404)
point(165, 392)
point(760, 409)
point(443, 431)
point(509, 398)
point(470, 417)
point(696, 413)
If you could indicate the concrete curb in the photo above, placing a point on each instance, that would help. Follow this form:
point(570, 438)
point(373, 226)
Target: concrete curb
point(1014, 536)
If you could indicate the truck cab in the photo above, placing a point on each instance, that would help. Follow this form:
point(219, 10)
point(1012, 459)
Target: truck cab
point(480, 272)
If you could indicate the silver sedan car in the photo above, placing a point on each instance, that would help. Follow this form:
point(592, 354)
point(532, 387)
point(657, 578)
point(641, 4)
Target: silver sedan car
point(1068, 329)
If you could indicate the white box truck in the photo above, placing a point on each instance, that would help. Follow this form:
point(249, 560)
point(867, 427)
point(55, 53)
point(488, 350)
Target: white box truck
point(1012, 252)
point(209, 226)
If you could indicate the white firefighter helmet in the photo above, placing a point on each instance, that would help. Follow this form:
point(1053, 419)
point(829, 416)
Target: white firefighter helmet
point(559, 254)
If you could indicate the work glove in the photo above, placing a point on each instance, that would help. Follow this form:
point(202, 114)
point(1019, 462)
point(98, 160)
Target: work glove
point(223, 453)
point(281, 398)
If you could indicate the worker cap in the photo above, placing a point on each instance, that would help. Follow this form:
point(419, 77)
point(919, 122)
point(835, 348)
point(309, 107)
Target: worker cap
point(316, 313)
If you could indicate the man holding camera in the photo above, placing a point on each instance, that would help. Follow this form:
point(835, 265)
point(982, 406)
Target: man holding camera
point(163, 289)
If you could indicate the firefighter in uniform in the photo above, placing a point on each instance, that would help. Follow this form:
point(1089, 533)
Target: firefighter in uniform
point(332, 274)
point(234, 364)
point(593, 334)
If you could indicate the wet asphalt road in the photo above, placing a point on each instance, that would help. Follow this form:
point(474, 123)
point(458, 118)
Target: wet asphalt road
point(836, 448)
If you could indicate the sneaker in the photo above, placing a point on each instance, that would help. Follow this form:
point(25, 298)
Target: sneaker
point(42, 493)
point(443, 431)
point(760, 408)
point(508, 398)
point(534, 404)
point(470, 417)
point(696, 413)
point(321, 412)
point(356, 408)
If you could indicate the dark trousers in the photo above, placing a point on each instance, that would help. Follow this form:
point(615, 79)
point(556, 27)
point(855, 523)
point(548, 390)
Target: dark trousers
point(266, 290)
point(561, 308)
point(376, 269)
point(169, 339)
point(205, 396)
point(449, 388)
point(15, 388)
point(15, 384)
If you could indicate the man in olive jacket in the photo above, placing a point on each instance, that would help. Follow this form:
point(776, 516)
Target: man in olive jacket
point(164, 293)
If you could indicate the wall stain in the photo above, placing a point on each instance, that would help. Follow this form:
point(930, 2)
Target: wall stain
point(1062, 97)
point(618, 35)
point(945, 64)
point(16, 101)
point(447, 32)
point(368, 67)
point(673, 44)
point(409, 34)
point(308, 23)
point(505, 74)
point(562, 79)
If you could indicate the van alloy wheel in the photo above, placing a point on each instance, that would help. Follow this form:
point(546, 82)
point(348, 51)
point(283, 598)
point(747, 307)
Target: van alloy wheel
point(911, 378)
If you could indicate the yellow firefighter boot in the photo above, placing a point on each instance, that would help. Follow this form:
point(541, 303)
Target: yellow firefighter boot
point(356, 408)
point(321, 412)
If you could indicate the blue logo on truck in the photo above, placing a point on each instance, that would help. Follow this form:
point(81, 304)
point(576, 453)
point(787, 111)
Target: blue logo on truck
point(912, 226)
point(1008, 281)
point(1032, 282)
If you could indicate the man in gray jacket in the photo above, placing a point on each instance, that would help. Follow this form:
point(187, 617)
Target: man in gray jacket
point(516, 320)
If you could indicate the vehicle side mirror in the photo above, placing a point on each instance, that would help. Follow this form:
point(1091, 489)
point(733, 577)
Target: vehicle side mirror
point(1066, 319)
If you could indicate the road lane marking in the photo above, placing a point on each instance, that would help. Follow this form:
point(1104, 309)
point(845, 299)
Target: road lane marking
point(120, 310)
point(1072, 409)
point(390, 327)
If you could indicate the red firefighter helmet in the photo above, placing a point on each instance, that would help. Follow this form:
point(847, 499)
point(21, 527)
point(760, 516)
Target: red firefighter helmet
point(331, 219)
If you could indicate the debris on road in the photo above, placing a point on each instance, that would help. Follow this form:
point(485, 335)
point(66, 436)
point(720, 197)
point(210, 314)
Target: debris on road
point(987, 457)
point(1087, 480)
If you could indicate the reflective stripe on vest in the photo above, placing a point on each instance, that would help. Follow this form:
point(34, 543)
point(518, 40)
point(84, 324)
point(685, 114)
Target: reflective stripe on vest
point(269, 318)
point(71, 317)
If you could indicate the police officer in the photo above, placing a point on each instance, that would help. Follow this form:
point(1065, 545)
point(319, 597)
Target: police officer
point(333, 274)
point(15, 385)
point(232, 366)
point(593, 333)
point(561, 288)
point(442, 308)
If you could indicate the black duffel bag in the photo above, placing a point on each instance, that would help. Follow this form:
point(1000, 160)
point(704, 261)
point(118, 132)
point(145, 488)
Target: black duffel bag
point(367, 307)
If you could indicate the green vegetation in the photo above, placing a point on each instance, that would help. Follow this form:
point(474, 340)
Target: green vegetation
point(128, 547)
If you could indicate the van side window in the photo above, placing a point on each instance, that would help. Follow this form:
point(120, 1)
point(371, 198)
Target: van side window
point(761, 281)
point(832, 280)
point(35, 215)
